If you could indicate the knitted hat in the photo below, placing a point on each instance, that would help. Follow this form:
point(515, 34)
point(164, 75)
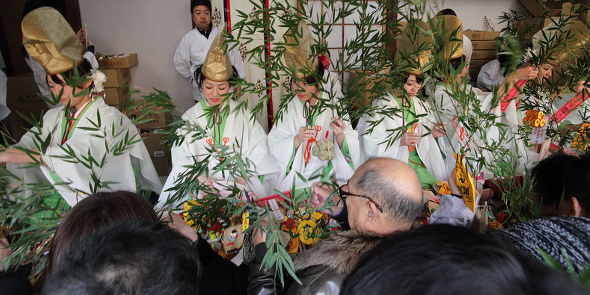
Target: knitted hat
point(551, 234)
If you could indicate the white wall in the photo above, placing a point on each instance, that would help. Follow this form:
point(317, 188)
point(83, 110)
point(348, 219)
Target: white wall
point(472, 12)
point(152, 29)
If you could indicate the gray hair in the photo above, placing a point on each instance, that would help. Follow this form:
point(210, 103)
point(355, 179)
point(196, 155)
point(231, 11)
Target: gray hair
point(397, 204)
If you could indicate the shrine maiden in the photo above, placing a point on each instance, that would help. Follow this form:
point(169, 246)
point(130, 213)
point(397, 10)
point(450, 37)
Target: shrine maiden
point(225, 125)
point(75, 139)
point(311, 138)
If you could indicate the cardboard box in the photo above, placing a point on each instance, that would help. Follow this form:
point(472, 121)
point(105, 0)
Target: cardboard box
point(484, 54)
point(115, 96)
point(151, 118)
point(473, 73)
point(119, 62)
point(533, 6)
point(484, 45)
point(116, 77)
point(159, 152)
point(482, 35)
point(22, 95)
point(478, 63)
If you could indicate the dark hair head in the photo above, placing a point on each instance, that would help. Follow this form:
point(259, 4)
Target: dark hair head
point(457, 61)
point(313, 79)
point(201, 78)
point(447, 11)
point(83, 69)
point(551, 178)
point(394, 202)
point(128, 258)
point(578, 184)
point(94, 212)
point(443, 259)
point(406, 75)
point(195, 3)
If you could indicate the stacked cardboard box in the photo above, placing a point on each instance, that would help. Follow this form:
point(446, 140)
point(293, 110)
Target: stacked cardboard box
point(116, 69)
point(149, 120)
point(484, 49)
point(22, 96)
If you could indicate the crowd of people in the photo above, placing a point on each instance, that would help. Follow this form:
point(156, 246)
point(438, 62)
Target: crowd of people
point(112, 241)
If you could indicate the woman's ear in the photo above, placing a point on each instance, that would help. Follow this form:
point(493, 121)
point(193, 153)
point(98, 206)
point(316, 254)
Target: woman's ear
point(578, 209)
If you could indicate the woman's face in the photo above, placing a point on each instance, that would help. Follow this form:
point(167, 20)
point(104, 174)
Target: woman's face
point(545, 72)
point(214, 91)
point(304, 91)
point(67, 95)
point(412, 86)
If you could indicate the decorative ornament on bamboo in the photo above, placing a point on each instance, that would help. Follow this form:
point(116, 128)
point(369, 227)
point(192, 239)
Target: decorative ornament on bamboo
point(324, 150)
point(534, 118)
point(465, 183)
point(582, 139)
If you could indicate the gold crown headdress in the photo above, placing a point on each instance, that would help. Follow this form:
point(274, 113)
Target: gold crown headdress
point(49, 40)
point(298, 50)
point(452, 42)
point(571, 37)
point(217, 66)
point(415, 47)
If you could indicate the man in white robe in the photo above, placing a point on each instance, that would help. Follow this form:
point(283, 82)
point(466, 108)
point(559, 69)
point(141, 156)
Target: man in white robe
point(193, 47)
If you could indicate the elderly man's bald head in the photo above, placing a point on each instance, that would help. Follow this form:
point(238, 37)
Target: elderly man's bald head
point(393, 185)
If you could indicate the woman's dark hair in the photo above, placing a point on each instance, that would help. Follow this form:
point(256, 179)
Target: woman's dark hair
point(83, 69)
point(457, 61)
point(312, 79)
point(199, 77)
point(195, 3)
point(419, 78)
point(579, 184)
point(444, 259)
point(551, 177)
point(94, 212)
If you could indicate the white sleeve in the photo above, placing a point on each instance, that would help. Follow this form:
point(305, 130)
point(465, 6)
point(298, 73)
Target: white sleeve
point(182, 58)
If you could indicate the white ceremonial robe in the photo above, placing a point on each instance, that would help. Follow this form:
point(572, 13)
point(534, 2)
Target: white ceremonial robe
point(331, 84)
point(489, 76)
point(374, 144)
point(244, 136)
point(446, 109)
point(513, 118)
point(118, 169)
point(191, 52)
point(281, 144)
